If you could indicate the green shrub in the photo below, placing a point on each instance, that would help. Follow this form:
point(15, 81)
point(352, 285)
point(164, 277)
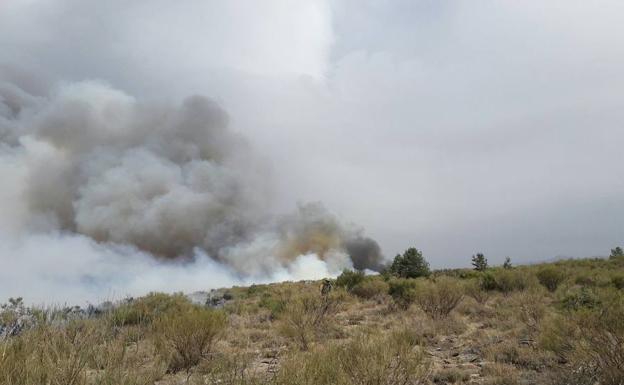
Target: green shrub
point(439, 298)
point(402, 292)
point(349, 279)
point(550, 277)
point(274, 305)
point(411, 264)
point(370, 288)
point(487, 281)
point(184, 339)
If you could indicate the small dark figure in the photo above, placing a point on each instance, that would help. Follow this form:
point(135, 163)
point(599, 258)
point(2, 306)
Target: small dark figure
point(326, 287)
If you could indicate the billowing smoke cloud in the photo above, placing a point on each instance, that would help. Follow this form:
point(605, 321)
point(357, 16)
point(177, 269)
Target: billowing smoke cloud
point(168, 182)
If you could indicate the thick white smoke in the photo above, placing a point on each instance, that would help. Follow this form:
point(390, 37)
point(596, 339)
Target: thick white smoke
point(107, 195)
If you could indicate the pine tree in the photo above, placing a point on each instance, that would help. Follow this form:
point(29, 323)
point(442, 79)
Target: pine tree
point(617, 252)
point(507, 263)
point(410, 265)
point(479, 262)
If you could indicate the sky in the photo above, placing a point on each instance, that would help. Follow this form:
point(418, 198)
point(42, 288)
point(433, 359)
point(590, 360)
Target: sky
point(456, 127)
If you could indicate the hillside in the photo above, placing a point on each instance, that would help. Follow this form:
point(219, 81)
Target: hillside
point(557, 323)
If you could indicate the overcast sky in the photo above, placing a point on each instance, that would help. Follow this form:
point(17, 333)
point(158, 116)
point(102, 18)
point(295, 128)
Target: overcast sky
point(453, 126)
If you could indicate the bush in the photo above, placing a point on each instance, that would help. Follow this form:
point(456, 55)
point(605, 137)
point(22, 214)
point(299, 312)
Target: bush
point(439, 298)
point(550, 277)
point(365, 360)
point(410, 265)
point(349, 279)
point(618, 281)
point(402, 292)
point(144, 310)
point(577, 299)
point(508, 281)
point(370, 288)
point(531, 308)
point(598, 343)
point(475, 290)
point(48, 355)
point(488, 282)
point(184, 339)
point(304, 317)
point(274, 305)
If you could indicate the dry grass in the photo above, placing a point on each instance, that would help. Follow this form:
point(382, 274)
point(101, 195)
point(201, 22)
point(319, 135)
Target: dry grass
point(508, 329)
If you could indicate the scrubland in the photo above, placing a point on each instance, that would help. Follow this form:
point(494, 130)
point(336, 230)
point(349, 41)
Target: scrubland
point(559, 323)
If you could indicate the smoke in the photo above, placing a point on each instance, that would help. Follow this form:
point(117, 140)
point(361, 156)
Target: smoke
point(129, 195)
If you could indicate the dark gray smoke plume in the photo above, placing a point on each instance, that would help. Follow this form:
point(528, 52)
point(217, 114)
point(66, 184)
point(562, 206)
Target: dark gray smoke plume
point(167, 180)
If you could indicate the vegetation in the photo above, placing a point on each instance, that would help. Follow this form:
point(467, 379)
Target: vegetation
point(550, 277)
point(557, 323)
point(411, 264)
point(617, 253)
point(439, 298)
point(479, 262)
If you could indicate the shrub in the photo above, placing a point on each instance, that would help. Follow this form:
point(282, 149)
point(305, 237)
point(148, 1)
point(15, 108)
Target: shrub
point(618, 281)
point(365, 360)
point(390, 360)
point(593, 340)
point(488, 282)
point(274, 305)
point(508, 281)
point(370, 288)
point(577, 299)
point(550, 277)
point(402, 292)
point(531, 308)
point(304, 317)
point(439, 298)
point(349, 279)
point(184, 339)
point(144, 310)
point(48, 355)
point(479, 262)
point(411, 264)
point(475, 290)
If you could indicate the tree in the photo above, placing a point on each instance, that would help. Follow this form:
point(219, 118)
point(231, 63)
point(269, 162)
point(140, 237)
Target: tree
point(479, 262)
point(617, 252)
point(507, 263)
point(410, 265)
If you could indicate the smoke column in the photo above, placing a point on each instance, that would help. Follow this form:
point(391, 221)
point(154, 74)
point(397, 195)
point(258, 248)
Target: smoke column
point(107, 195)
